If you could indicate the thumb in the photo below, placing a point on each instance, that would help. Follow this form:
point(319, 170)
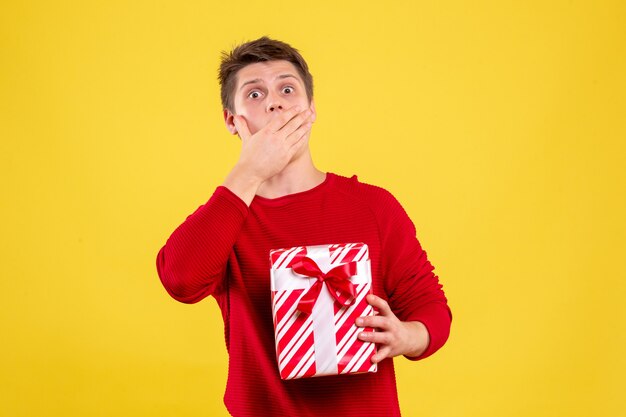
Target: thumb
point(242, 127)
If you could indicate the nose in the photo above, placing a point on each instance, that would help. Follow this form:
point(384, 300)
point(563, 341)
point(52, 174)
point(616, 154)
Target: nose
point(274, 103)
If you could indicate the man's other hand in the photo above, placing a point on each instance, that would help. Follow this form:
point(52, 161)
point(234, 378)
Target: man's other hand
point(393, 337)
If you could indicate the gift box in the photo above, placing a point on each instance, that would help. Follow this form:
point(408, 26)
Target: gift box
point(317, 294)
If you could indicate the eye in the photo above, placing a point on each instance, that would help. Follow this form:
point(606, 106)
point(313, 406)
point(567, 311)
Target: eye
point(288, 90)
point(254, 94)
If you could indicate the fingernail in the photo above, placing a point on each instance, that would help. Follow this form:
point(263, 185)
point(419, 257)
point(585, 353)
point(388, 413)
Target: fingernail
point(359, 321)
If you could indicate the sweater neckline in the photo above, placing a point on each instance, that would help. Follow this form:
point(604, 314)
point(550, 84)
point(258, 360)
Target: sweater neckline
point(299, 196)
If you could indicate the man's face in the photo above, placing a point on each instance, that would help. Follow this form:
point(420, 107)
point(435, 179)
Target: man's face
point(265, 89)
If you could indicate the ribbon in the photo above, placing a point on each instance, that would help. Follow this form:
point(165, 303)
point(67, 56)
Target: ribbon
point(337, 281)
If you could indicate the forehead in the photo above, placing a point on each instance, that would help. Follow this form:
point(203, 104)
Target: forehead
point(266, 71)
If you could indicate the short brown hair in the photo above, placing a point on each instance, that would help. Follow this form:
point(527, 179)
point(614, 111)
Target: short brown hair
point(260, 50)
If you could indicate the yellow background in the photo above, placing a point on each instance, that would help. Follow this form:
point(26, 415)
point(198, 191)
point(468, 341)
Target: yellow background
point(499, 126)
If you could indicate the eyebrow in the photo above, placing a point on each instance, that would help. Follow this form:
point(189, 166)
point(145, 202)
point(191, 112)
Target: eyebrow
point(257, 80)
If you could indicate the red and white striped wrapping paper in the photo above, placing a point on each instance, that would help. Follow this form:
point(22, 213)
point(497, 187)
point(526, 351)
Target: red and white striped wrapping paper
point(325, 341)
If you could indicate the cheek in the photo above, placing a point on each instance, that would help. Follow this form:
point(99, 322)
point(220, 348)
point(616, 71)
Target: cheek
point(253, 127)
point(255, 123)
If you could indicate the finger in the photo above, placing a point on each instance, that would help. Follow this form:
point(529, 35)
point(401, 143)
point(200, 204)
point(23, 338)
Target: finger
point(282, 119)
point(296, 146)
point(381, 354)
point(242, 127)
point(298, 134)
point(295, 123)
point(382, 338)
point(380, 322)
point(380, 304)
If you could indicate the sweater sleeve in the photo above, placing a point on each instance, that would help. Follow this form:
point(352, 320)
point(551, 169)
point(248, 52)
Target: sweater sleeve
point(414, 291)
point(192, 263)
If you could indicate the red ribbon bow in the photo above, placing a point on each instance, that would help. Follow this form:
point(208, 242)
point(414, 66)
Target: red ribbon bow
point(337, 280)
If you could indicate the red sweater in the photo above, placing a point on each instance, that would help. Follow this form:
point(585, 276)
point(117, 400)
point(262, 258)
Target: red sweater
point(222, 250)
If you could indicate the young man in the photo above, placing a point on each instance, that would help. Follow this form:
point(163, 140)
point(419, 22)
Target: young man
point(275, 197)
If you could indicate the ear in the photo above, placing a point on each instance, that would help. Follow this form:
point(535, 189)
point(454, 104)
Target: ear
point(229, 121)
point(312, 107)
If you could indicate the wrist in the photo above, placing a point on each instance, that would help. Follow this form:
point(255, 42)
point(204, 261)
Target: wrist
point(244, 174)
point(242, 183)
point(420, 338)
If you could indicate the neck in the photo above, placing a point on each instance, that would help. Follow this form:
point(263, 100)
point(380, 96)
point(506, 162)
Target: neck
point(299, 175)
